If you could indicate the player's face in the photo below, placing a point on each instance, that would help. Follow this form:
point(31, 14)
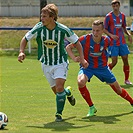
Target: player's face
point(116, 7)
point(97, 31)
point(46, 19)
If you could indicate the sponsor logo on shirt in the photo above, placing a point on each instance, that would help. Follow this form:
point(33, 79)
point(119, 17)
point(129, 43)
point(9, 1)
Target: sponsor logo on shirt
point(50, 44)
point(92, 54)
point(118, 25)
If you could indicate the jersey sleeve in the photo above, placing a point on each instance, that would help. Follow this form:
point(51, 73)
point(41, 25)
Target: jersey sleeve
point(106, 22)
point(33, 32)
point(73, 38)
point(124, 21)
point(108, 41)
point(82, 40)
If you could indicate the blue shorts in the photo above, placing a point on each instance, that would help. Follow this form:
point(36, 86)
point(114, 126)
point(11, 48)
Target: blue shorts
point(105, 74)
point(119, 50)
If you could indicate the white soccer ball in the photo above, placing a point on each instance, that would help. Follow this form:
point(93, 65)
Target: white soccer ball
point(3, 120)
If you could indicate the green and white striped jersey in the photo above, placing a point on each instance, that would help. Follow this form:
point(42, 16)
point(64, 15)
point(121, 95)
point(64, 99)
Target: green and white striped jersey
point(51, 48)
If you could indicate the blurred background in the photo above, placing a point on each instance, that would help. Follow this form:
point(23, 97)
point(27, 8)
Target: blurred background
point(72, 13)
point(67, 8)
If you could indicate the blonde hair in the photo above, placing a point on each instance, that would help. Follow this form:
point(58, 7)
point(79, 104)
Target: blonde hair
point(115, 1)
point(52, 10)
point(98, 22)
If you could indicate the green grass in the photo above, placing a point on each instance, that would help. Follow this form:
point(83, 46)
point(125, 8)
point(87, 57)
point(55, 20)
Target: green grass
point(25, 96)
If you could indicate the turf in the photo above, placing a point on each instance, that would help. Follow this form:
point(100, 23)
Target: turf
point(25, 96)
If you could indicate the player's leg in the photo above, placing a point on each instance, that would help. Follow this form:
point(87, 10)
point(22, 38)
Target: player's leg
point(56, 76)
point(70, 96)
point(114, 52)
point(114, 62)
point(124, 51)
point(60, 74)
point(60, 98)
point(54, 89)
point(82, 80)
point(122, 92)
point(108, 77)
point(126, 69)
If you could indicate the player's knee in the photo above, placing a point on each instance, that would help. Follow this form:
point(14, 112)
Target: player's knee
point(81, 83)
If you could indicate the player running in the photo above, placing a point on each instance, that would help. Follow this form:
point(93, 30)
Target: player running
point(115, 27)
point(95, 48)
point(50, 37)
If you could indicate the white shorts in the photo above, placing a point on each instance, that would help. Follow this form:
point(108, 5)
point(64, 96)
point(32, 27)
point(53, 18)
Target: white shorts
point(53, 72)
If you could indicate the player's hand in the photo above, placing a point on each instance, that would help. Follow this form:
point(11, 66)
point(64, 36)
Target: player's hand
point(84, 63)
point(21, 57)
point(115, 37)
point(76, 59)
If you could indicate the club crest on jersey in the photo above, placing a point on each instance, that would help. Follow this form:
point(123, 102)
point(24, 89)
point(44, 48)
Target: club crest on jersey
point(50, 43)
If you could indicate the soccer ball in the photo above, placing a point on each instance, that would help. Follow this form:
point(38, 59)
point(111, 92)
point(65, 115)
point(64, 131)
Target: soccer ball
point(3, 120)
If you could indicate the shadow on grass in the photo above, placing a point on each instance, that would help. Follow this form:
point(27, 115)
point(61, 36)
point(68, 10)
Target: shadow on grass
point(127, 86)
point(105, 119)
point(60, 126)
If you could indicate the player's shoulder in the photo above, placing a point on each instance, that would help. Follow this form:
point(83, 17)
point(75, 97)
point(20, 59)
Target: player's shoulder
point(83, 37)
point(109, 14)
point(37, 26)
point(122, 14)
point(61, 26)
point(106, 38)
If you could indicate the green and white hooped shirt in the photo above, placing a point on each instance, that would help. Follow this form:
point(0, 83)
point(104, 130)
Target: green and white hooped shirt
point(51, 48)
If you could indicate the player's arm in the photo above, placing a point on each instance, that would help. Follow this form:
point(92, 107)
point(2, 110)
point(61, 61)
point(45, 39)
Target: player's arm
point(69, 49)
point(23, 44)
point(79, 58)
point(115, 37)
point(128, 34)
point(106, 26)
point(28, 36)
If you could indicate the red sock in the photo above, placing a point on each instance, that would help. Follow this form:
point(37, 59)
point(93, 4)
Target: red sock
point(86, 95)
point(110, 66)
point(126, 70)
point(124, 94)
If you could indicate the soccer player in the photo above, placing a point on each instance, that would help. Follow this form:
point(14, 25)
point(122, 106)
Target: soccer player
point(132, 28)
point(115, 27)
point(52, 54)
point(95, 49)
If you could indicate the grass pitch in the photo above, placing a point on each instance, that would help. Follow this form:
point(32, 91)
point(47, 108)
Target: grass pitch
point(25, 96)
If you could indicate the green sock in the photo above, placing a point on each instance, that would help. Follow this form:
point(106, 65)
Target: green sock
point(60, 101)
point(68, 93)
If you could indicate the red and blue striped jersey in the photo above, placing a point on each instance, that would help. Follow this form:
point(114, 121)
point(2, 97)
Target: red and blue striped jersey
point(95, 54)
point(115, 24)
